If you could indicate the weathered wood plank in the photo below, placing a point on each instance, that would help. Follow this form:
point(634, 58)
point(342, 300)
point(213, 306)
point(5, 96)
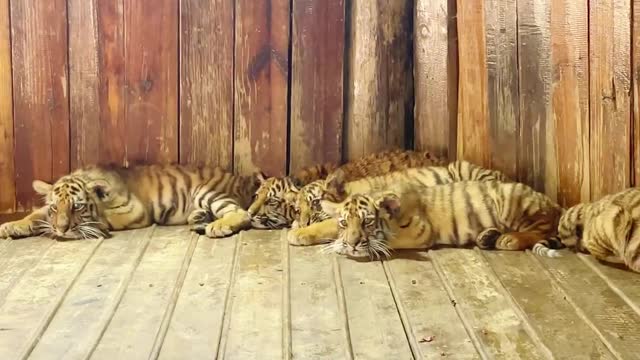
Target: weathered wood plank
point(206, 82)
point(261, 86)
point(88, 307)
point(537, 163)
point(551, 317)
point(502, 82)
point(610, 88)
point(436, 77)
point(18, 257)
point(7, 169)
point(432, 324)
point(316, 324)
point(138, 321)
point(151, 73)
point(613, 320)
point(473, 114)
point(622, 281)
point(380, 77)
point(318, 36)
point(375, 328)
point(256, 300)
point(40, 99)
point(29, 307)
point(488, 315)
point(570, 98)
point(196, 326)
point(96, 82)
point(635, 72)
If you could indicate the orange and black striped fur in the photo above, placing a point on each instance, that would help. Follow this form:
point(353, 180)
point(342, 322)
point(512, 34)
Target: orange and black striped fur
point(90, 202)
point(317, 225)
point(489, 214)
point(274, 204)
point(609, 228)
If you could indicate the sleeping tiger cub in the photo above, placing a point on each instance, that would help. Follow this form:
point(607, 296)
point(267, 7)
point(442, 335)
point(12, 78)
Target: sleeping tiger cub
point(91, 201)
point(274, 204)
point(314, 226)
point(607, 228)
point(490, 214)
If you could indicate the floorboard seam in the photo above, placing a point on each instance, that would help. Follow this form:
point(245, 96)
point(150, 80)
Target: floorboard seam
point(228, 300)
point(286, 298)
point(342, 306)
point(463, 317)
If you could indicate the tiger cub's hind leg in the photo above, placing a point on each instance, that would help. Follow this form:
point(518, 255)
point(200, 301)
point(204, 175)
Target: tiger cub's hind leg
point(518, 240)
point(199, 216)
point(487, 238)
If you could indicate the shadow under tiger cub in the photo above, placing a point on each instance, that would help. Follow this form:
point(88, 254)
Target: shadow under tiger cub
point(317, 225)
point(608, 229)
point(90, 202)
point(274, 206)
point(490, 214)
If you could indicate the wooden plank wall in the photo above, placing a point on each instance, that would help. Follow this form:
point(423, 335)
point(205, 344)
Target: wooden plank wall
point(276, 85)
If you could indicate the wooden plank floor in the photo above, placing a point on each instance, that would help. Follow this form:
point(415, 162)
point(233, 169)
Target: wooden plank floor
point(163, 292)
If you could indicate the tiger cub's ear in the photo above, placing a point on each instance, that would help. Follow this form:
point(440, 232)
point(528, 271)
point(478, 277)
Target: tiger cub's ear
point(331, 208)
point(100, 188)
point(41, 187)
point(335, 182)
point(390, 202)
point(260, 176)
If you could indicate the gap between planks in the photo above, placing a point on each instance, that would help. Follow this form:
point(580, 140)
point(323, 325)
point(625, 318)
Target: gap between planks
point(228, 300)
point(286, 298)
point(342, 307)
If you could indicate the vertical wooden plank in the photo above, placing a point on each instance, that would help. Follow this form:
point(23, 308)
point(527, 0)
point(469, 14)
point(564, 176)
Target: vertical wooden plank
point(96, 82)
point(31, 304)
point(610, 109)
point(261, 89)
point(41, 103)
point(206, 82)
point(570, 98)
point(502, 84)
point(436, 77)
point(89, 305)
point(196, 325)
point(536, 153)
point(151, 72)
point(318, 36)
point(7, 169)
point(256, 301)
point(473, 116)
point(636, 90)
point(380, 78)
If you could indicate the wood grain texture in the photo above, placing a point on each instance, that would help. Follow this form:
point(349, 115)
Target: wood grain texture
point(151, 72)
point(536, 152)
point(380, 79)
point(635, 68)
point(261, 86)
point(318, 36)
point(502, 84)
point(436, 77)
point(473, 115)
point(7, 169)
point(206, 82)
point(570, 98)
point(40, 98)
point(96, 82)
point(610, 88)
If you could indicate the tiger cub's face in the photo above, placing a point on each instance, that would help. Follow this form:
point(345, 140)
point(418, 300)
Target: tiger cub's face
point(362, 224)
point(308, 202)
point(72, 211)
point(273, 206)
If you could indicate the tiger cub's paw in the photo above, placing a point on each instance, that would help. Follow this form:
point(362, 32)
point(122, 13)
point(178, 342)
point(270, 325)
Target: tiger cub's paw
point(229, 224)
point(304, 237)
point(487, 238)
point(17, 229)
point(295, 224)
point(199, 217)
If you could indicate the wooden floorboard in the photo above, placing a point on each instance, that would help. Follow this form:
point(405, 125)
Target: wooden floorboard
point(164, 292)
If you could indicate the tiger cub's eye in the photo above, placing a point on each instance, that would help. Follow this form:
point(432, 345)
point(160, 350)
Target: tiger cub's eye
point(78, 206)
point(342, 223)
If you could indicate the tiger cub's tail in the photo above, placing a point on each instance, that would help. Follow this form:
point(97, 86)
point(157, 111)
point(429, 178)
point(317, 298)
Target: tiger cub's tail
point(548, 247)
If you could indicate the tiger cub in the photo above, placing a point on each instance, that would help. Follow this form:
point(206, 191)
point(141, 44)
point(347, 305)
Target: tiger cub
point(90, 202)
point(490, 214)
point(274, 204)
point(314, 226)
point(607, 228)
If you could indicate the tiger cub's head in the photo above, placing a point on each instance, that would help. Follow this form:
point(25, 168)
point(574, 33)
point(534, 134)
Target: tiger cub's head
point(570, 226)
point(308, 207)
point(72, 208)
point(363, 224)
point(273, 206)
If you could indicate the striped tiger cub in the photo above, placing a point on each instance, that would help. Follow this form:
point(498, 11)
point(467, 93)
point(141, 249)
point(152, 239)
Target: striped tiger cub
point(313, 225)
point(489, 214)
point(608, 228)
point(274, 204)
point(90, 202)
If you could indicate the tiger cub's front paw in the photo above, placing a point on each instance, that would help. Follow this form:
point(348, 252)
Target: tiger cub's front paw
point(228, 225)
point(17, 229)
point(304, 237)
point(199, 217)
